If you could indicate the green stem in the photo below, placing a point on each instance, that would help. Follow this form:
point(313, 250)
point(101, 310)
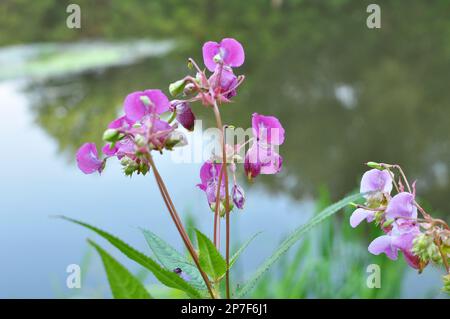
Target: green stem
point(227, 196)
point(178, 224)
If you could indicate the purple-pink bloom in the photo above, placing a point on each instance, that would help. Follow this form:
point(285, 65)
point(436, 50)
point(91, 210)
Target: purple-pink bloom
point(399, 238)
point(87, 159)
point(229, 51)
point(209, 176)
point(122, 122)
point(227, 84)
point(361, 214)
point(125, 147)
point(262, 159)
point(136, 109)
point(267, 129)
point(401, 205)
point(376, 181)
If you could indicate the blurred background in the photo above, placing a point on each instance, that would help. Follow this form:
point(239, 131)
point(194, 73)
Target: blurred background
point(345, 94)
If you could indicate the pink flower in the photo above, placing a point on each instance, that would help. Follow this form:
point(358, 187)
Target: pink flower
point(262, 159)
point(401, 205)
point(267, 129)
point(376, 181)
point(229, 51)
point(141, 103)
point(400, 238)
point(87, 159)
point(209, 176)
point(226, 85)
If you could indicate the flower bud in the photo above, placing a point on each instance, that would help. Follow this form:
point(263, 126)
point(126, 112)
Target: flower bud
point(238, 196)
point(176, 139)
point(185, 116)
point(425, 248)
point(177, 87)
point(111, 135)
point(375, 165)
point(252, 168)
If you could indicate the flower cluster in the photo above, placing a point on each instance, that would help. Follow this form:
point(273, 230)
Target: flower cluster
point(133, 136)
point(150, 123)
point(421, 240)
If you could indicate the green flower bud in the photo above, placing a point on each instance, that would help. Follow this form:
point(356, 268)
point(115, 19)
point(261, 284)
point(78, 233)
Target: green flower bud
point(425, 248)
point(176, 139)
point(143, 168)
point(177, 87)
point(129, 170)
point(375, 165)
point(111, 135)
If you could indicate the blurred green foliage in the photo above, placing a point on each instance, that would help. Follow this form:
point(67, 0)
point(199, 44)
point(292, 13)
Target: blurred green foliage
point(331, 262)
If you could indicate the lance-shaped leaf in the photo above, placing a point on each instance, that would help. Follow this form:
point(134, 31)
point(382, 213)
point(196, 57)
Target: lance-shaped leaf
point(166, 277)
point(241, 249)
point(210, 259)
point(171, 259)
point(291, 240)
point(123, 284)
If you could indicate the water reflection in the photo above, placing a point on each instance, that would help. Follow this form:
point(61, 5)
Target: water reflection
point(341, 106)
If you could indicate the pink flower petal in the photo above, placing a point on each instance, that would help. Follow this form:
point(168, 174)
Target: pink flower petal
point(401, 205)
point(133, 106)
point(383, 244)
point(87, 159)
point(159, 100)
point(267, 129)
point(233, 52)
point(375, 180)
point(359, 215)
point(210, 49)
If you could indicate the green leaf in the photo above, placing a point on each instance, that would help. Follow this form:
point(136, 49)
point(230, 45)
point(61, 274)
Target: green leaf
point(170, 258)
point(123, 284)
point(291, 240)
point(241, 249)
point(210, 259)
point(166, 277)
